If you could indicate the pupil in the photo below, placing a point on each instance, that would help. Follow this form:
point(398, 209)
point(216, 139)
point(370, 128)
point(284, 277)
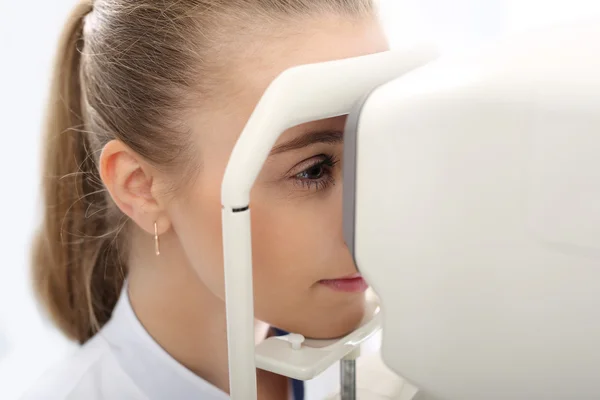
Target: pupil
point(314, 172)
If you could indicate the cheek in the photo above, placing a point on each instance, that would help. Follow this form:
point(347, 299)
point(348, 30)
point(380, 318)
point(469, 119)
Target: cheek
point(292, 245)
point(197, 223)
point(296, 244)
point(293, 241)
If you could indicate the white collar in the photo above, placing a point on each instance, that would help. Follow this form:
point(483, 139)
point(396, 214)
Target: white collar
point(150, 367)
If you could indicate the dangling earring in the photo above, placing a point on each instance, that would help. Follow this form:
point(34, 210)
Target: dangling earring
point(156, 244)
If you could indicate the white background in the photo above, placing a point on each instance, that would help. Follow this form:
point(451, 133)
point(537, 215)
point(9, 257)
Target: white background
point(28, 34)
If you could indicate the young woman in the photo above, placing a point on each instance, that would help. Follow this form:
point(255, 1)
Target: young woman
point(148, 100)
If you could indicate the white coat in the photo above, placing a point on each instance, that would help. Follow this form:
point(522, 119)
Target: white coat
point(123, 362)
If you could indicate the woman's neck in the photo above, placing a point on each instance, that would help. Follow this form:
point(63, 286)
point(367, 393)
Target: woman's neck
point(185, 318)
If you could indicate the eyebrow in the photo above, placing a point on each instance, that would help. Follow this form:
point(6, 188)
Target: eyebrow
point(330, 136)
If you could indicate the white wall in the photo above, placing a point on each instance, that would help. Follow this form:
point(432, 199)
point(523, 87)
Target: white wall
point(28, 34)
point(447, 24)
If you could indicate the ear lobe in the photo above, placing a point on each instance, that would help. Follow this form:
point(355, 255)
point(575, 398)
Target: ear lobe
point(130, 186)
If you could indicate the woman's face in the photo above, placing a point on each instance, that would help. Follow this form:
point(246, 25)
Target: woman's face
point(296, 203)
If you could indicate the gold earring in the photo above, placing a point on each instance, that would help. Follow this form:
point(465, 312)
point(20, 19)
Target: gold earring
point(156, 244)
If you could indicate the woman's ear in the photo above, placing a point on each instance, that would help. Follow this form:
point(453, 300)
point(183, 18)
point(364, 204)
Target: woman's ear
point(132, 184)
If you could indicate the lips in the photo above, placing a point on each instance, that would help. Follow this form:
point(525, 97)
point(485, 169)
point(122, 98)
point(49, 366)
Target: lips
point(350, 284)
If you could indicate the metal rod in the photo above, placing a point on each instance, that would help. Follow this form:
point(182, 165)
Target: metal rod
point(348, 379)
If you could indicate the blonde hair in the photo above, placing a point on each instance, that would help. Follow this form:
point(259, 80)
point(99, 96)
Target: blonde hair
point(125, 70)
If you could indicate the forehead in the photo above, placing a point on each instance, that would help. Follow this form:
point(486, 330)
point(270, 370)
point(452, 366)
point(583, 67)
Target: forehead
point(260, 58)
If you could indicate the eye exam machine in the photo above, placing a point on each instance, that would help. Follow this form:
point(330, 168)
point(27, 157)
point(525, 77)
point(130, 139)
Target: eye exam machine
point(471, 206)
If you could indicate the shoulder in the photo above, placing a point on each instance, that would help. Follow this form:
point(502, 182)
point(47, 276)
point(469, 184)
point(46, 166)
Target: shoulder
point(91, 373)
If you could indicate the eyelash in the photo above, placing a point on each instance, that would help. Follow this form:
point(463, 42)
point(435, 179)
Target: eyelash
point(327, 162)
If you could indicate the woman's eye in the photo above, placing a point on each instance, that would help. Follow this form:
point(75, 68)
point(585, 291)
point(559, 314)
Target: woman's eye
point(314, 172)
point(318, 174)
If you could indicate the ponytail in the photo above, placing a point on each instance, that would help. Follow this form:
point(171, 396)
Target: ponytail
point(76, 272)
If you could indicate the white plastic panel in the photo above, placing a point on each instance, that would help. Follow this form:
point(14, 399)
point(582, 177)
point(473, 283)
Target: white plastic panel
point(315, 356)
point(478, 223)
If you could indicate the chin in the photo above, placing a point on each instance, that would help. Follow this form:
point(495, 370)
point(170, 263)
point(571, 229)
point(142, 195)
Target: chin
point(329, 323)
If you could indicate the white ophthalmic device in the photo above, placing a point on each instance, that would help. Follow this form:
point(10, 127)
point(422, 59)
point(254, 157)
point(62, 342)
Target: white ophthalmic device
point(471, 206)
